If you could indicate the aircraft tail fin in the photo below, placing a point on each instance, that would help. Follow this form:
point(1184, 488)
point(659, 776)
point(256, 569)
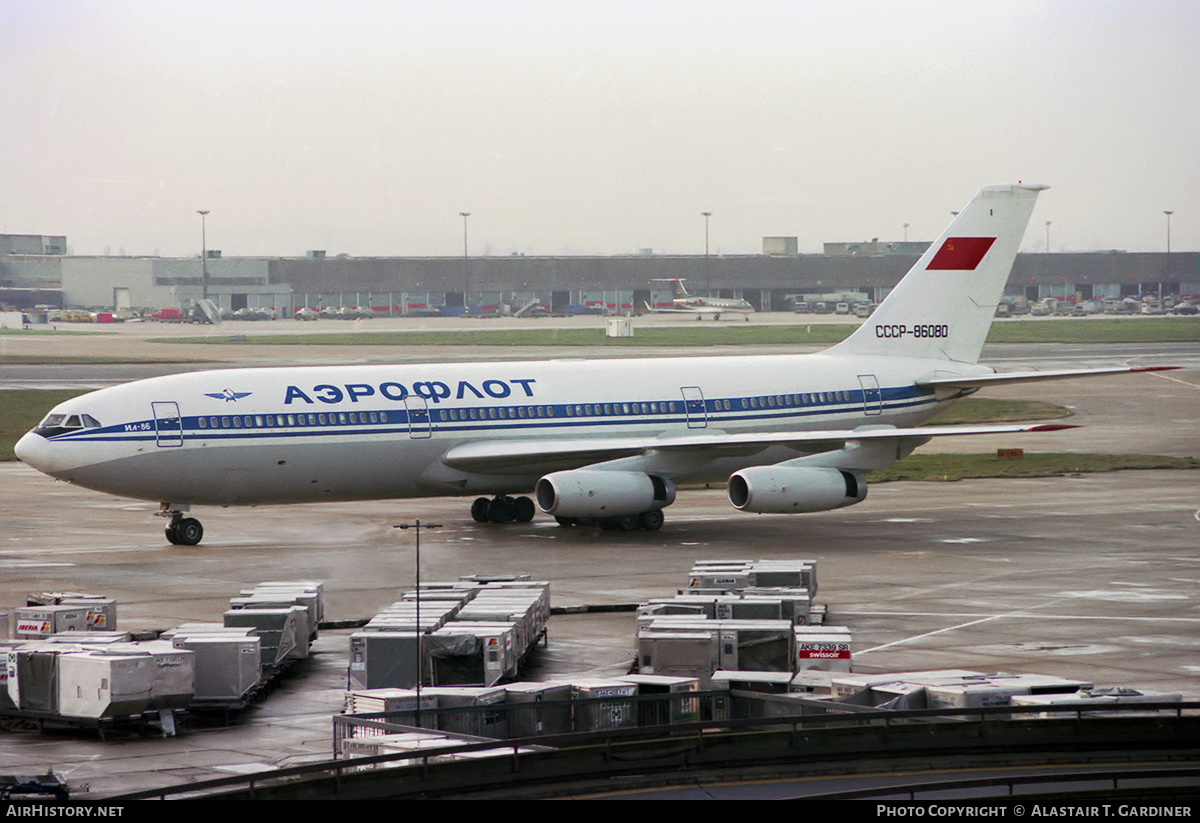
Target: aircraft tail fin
point(944, 306)
point(677, 287)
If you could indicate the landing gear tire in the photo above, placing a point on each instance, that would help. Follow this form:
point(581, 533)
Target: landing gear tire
point(479, 510)
point(502, 509)
point(652, 520)
point(523, 510)
point(499, 510)
point(629, 522)
point(185, 531)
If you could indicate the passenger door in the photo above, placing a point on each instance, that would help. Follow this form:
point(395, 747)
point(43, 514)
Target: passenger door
point(168, 427)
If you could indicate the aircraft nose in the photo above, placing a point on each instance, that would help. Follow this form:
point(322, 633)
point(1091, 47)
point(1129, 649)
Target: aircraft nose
point(33, 450)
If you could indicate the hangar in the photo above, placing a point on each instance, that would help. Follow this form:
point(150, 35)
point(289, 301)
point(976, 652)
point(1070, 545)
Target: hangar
point(37, 270)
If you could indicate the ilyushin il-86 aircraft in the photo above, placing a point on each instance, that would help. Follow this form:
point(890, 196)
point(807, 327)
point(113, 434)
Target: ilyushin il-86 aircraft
point(603, 441)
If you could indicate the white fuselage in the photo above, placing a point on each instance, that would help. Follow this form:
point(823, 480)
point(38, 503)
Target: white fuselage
point(286, 435)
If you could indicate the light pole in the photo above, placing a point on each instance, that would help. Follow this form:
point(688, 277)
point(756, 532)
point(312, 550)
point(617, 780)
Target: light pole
point(418, 525)
point(203, 253)
point(1168, 214)
point(1047, 237)
point(707, 270)
point(466, 264)
point(905, 232)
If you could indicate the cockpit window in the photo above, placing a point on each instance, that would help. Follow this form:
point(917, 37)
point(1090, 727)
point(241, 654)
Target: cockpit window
point(63, 423)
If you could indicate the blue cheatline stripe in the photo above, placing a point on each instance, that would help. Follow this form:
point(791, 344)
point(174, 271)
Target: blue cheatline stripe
point(554, 416)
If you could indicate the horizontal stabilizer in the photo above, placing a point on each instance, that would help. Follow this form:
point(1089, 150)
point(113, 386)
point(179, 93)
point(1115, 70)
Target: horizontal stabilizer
point(978, 381)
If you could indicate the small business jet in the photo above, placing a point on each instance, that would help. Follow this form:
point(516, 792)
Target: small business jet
point(604, 441)
point(685, 303)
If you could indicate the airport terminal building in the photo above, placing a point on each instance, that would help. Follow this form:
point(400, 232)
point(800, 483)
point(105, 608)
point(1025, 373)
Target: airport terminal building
point(36, 270)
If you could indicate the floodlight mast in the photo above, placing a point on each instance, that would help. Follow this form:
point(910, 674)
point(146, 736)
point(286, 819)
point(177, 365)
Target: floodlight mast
point(418, 525)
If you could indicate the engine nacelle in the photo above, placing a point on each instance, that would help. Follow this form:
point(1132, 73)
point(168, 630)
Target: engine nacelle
point(794, 489)
point(595, 493)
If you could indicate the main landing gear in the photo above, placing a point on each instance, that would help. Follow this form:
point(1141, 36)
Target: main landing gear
point(651, 521)
point(181, 531)
point(502, 509)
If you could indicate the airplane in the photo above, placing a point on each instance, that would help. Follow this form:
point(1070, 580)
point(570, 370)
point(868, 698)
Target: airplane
point(597, 442)
point(685, 303)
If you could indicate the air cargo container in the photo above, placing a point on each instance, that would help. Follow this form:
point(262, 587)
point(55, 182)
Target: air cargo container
point(682, 707)
point(282, 631)
point(475, 719)
point(34, 622)
point(469, 654)
point(822, 647)
point(608, 705)
point(542, 708)
point(679, 653)
point(174, 671)
point(101, 684)
point(1054, 705)
point(380, 659)
point(387, 701)
point(228, 665)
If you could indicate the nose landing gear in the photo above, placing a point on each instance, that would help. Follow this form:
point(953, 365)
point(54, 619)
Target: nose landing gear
point(181, 531)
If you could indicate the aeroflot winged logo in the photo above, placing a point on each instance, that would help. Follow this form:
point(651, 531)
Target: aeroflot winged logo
point(228, 395)
point(961, 253)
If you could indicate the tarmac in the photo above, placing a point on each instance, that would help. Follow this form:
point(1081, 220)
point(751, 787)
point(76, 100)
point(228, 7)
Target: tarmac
point(1089, 576)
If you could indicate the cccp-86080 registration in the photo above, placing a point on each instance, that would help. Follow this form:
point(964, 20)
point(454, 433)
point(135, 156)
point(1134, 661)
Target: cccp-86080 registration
point(920, 331)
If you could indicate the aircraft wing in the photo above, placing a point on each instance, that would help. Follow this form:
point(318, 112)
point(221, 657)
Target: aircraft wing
point(978, 381)
point(686, 310)
point(527, 456)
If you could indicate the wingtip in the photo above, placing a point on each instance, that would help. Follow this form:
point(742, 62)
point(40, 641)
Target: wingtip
point(1053, 427)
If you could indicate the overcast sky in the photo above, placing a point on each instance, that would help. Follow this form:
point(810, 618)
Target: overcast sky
point(591, 128)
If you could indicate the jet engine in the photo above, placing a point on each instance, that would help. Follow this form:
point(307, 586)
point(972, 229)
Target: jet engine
point(597, 493)
point(794, 489)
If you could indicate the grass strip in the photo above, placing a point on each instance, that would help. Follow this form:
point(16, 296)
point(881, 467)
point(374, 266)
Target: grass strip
point(947, 467)
point(1082, 330)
